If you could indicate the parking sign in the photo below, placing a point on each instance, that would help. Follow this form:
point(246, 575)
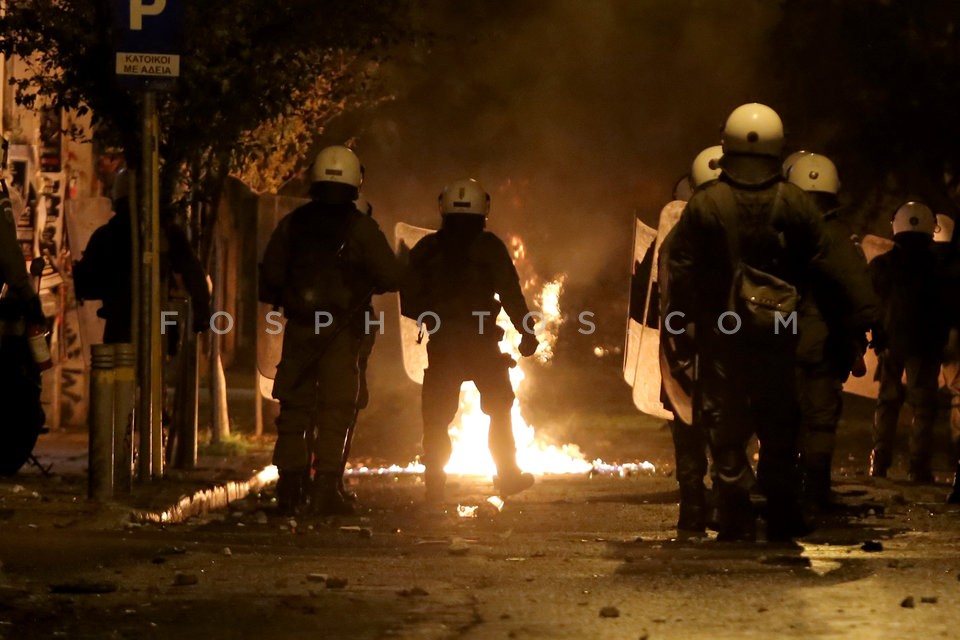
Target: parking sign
point(148, 47)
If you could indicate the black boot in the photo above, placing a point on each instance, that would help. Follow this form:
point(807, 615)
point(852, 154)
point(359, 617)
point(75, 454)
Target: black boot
point(290, 491)
point(345, 493)
point(920, 472)
point(325, 498)
point(692, 520)
point(816, 484)
point(879, 463)
point(513, 482)
point(737, 521)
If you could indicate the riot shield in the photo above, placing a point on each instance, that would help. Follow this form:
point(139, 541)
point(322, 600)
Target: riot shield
point(270, 210)
point(643, 246)
point(414, 352)
point(874, 246)
point(644, 320)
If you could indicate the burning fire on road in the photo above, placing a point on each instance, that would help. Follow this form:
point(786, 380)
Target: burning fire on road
point(536, 453)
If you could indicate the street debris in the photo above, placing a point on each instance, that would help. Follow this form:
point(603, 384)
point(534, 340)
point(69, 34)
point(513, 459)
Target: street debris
point(413, 592)
point(871, 546)
point(171, 551)
point(363, 532)
point(84, 586)
point(181, 579)
point(908, 603)
point(467, 511)
point(336, 583)
point(317, 577)
point(226, 551)
point(609, 612)
point(929, 599)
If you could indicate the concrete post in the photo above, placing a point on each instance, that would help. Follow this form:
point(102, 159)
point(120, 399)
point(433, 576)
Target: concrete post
point(124, 399)
point(100, 460)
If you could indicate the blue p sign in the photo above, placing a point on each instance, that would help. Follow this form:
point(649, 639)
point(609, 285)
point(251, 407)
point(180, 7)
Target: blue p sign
point(138, 9)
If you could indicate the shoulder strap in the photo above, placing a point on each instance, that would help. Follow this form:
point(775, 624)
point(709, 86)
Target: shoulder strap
point(724, 200)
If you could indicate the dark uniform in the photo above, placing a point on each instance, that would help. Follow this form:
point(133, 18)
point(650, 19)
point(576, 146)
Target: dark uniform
point(910, 284)
point(828, 349)
point(23, 416)
point(745, 387)
point(13, 268)
point(367, 341)
point(689, 440)
point(454, 273)
point(322, 258)
point(950, 265)
point(103, 273)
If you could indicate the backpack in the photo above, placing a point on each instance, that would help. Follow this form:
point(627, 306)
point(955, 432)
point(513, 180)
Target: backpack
point(763, 302)
point(757, 297)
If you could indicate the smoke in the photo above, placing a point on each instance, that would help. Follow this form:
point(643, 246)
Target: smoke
point(574, 115)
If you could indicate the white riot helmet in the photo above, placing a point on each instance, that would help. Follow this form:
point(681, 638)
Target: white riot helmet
point(337, 164)
point(682, 190)
point(914, 217)
point(464, 197)
point(943, 232)
point(706, 166)
point(753, 129)
point(813, 172)
point(791, 160)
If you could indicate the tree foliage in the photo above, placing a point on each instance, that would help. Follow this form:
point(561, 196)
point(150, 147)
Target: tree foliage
point(258, 79)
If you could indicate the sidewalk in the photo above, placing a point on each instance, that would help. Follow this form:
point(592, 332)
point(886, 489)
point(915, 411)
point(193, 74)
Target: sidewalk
point(59, 499)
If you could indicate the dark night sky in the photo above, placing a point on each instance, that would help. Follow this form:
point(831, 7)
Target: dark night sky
point(573, 114)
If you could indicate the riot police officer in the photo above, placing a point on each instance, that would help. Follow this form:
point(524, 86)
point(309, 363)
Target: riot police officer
point(909, 282)
point(746, 228)
point(689, 440)
point(20, 316)
point(322, 263)
point(829, 348)
point(453, 277)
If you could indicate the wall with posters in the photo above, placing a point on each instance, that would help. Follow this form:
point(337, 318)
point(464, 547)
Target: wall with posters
point(46, 168)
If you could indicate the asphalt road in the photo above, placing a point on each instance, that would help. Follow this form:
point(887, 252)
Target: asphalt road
point(572, 557)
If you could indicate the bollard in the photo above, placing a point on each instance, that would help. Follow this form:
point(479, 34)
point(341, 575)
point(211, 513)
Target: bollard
point(124, 398)
point(100, 463)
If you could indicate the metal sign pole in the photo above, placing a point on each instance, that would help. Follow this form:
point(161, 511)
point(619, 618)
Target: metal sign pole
point(145, 400)
point(156, 344)
point(147, 58)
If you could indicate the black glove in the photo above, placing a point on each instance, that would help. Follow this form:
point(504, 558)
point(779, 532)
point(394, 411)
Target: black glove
point(878, 339)
point(528, 345)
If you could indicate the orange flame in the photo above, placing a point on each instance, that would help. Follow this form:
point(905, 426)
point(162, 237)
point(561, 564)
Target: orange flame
point(469, 431)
